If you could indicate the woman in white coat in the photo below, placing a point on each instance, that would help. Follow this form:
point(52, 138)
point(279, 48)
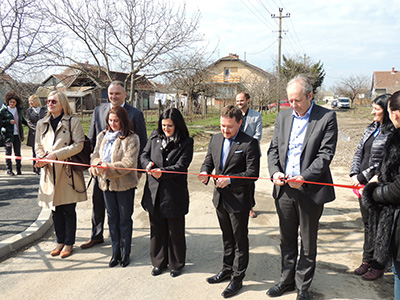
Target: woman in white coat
point(60, 187)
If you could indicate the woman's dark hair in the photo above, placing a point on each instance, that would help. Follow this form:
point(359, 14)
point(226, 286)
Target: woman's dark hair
point(127, 126)
point(181, 131)
point(383, 101)
point(394, 101)
point(12, 95)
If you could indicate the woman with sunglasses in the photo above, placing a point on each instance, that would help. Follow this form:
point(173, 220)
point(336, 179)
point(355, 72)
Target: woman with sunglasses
point(58, 137)
point(11, 120)
point(117, 147)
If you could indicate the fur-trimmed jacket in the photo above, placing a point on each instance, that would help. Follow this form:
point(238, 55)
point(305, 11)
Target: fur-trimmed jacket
point(124, 155)
point(383, 200)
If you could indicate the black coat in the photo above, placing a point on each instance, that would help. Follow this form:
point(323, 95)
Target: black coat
point(32, 118)
point(170, 190)
point(243, 160)
point(383, 201)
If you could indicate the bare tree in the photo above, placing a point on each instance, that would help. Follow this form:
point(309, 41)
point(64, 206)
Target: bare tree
point(20, 38)
point(352, 86)
point(193, 80)
point(131, 36)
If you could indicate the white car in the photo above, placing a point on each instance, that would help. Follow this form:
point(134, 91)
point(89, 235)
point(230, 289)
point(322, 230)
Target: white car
point(343, 102)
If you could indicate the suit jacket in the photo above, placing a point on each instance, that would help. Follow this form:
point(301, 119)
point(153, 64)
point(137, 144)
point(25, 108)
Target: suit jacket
point(171, 190)
point(98, 124)
point(253, 125)
point(319, 147)
point(243, 160)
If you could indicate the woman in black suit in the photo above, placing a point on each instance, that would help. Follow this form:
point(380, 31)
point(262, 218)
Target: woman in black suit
point(166, 195)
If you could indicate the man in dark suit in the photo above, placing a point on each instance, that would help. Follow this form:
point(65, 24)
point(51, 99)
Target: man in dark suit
point(302, 148)
point(234, 153)
point(117, 96)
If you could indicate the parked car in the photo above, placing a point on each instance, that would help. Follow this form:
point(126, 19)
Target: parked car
point(283, 104)
point(343, 102)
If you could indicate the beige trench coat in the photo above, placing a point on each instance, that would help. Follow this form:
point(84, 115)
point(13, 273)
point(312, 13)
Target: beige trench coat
point(55, 182)
point(124, 155)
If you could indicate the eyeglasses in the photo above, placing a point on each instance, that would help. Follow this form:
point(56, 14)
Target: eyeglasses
point(54, 102)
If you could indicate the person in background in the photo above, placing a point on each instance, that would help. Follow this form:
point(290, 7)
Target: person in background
point(233, 153)
point(382, 197)
point(301, 149)
point(251, 125)
point(116, 96)
point(33, 114)
point(117, 147)
point(367, 157)
point(11, 120)
point(60, 186)
point(166, 195)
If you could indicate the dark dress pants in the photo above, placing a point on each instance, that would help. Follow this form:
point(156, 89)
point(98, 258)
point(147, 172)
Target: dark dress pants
point(368, 249)
point(294, 211)
point(98, 212)
point(17, 152)
point(119, 212)
point(167, 241)
point(64, 220)
point(234, 227)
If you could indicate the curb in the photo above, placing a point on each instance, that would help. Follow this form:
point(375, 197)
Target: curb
point(31, 234)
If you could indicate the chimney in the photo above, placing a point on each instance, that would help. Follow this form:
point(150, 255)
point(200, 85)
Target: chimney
point(234, 55)
point(393, 71)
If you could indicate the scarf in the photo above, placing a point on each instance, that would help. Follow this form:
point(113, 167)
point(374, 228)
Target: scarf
point(166, 141)
point(110, 138)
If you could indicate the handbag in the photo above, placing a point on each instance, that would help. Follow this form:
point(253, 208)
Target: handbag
point(82, 157)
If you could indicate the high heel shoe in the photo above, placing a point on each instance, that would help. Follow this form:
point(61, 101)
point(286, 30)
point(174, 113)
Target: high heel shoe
point(57, 250)
point(67, 252)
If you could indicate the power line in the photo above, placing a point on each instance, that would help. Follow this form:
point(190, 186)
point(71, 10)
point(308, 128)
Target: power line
point(273, 43)
point(258, 17)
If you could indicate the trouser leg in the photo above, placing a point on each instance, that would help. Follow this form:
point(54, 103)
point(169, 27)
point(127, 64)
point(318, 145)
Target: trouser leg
point(234, 227)
point(158, 239)
point(176, 243)
point(111, 203)
point(8, 161)
point(125, 205)
point(98, 212)
point(17, 151)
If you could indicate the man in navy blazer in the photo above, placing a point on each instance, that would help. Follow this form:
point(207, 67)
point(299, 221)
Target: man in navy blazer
point(302, 148)
point(232, 152)
point(117, 96)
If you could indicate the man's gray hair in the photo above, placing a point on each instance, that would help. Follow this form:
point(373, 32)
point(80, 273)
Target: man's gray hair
point(117, 82)
point(304, 81)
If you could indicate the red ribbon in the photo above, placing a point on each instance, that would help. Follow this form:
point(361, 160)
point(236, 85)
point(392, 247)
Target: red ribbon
point(356, 187)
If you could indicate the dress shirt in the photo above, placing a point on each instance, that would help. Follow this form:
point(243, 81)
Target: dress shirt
point(299, 128)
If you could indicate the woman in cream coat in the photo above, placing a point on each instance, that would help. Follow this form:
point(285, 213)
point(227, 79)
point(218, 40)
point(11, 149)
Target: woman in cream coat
point(60, 187)
point(117, 147)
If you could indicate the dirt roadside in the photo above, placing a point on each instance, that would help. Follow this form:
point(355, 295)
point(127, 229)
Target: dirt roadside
point(34, 274)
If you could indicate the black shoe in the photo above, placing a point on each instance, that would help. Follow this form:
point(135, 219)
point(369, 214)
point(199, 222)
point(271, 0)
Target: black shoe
point(280, 289)
point(156, 271)
point(124, 261)
point(232, 289)
point(221, 276)
point(19, 172)
point(10, 173)
point(303, 295)
point(114, 260)
point(175, 273)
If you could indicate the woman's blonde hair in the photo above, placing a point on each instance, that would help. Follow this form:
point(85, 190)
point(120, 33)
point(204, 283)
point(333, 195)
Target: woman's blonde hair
point(36, 100)
point(62, 98)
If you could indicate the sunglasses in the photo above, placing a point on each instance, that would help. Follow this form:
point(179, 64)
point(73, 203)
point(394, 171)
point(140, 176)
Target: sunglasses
point(54, 102)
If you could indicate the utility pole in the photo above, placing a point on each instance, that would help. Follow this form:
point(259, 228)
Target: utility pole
point(279, 52)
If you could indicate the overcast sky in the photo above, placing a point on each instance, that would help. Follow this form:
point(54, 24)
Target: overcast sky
point(350, 37)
